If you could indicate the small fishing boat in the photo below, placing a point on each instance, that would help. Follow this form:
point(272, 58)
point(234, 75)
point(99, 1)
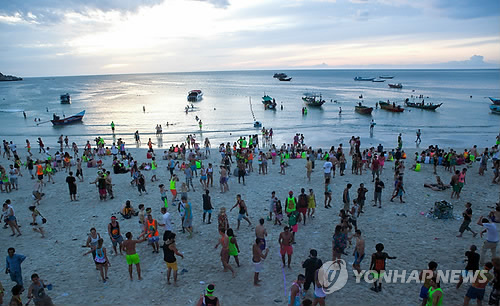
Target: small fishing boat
point(398, 85)
point(386, 77)
point(365, 110)
point(285, 79)
point(363, 79)
point(65, 99)
point(313, 100)
point(269, 103)
point(72, 119)
point(495, 101)
point(392, 107)
point(428, 106)
point(280, 75)
point(195, 95)
point(378, 80)
point(495, 109)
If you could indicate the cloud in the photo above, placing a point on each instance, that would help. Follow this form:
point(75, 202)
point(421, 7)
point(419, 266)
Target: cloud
point(217, 3)
point(362, 15)
point(475, 61)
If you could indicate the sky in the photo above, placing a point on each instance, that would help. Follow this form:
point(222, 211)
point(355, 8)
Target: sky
point(89, 37)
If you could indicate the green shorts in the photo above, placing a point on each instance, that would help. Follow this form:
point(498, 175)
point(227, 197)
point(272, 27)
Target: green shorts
point(377, 275)
point(133, 259)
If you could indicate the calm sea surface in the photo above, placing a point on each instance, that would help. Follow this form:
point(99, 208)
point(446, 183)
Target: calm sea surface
point(462, 120)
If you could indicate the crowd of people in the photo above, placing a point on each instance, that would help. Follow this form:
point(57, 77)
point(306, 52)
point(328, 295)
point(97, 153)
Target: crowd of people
point(189, 160)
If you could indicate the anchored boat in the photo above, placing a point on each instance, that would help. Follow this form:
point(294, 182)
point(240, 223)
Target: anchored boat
point(68, 120)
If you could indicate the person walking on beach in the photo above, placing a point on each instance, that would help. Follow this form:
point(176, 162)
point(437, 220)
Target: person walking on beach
point(454, 184)
point(131, 255)
point(378, 265)
point(112, 127)
point(302, 204)
point(261, 232)
point(285, 241)
point(115, 235)
point(243, 211)
point(257, 257)
point(101, 260)
point(71, 180)
point(233, 247)
point(169, 252)
point(207, 206)
point(491, 241)
point(328, 193)
point(37, 220)
point(311, 204)
point(400, 141)
point(224, 252)
point(467, 214)
point(137, 137)
point(361, 197)
point(339, 243)
point(418, 140)
point(36, 292)
point(399, 190)
point(473, 259)
point(13, 266)
point(188, 216)
point(11, 218)
point(296, 291)
point(425, 277)
point(151, 232)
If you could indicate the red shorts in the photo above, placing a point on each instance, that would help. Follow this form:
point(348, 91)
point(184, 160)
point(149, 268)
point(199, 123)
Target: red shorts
point(286, 249)
point(295, 228)
point(174, 192)
point(303, 210)
point(102, 192)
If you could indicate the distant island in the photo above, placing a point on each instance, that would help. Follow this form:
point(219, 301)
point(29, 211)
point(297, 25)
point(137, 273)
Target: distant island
point(4, 78)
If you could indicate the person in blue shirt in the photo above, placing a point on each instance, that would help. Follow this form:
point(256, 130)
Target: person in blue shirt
point(13, 266)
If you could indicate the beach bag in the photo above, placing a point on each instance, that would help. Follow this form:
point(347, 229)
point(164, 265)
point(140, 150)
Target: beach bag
point(443, 210)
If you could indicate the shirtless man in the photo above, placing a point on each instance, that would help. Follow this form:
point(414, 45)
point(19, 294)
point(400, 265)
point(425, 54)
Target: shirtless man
point(359, 251)
point(261, 233)
point(224, 252)
point(79, 171)
point(455, 185)
point(243, 212)
point(257, 259)
point(224, 187)
point(132, 256)
point(285, 241)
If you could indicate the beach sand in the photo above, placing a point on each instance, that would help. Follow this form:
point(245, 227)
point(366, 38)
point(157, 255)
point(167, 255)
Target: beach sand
point(415, 239)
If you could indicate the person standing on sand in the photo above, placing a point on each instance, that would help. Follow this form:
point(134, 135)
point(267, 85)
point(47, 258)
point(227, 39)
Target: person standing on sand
point(467, 214)
point(328, 193)
point(11, 218)
point(425, 277)
point(285, 240)
point(346, 198)
point(208, 299)
point(223, 222)
point(310, 265)
point(272, 205)
point(379, 185)
point(207, 206)
point(359, 251)
point(79, 171)
point(418, 140)
point(224, 252)
point(131, 254)
point(243, 211)
point(169, 252)
point(454, 184)
point(173, 190)
point(361, 197)
point(308, 169)
point(302, 204)
point(188, 216)
point(233, 247)
point(151, 232)
point(112, 127)
point(260, 232)
point(37, 293)
point(115, 235)
point(311, 204)
point(257, 258)
point(71, 180)
point(339, 243)
point(13, 266)
point(296, 291)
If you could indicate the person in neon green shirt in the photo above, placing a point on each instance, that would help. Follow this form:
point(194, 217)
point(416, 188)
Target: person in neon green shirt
point(435, 294)
point(291, 203)
point(154, 166)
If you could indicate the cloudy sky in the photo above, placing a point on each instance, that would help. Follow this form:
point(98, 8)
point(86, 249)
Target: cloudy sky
point(75, 37)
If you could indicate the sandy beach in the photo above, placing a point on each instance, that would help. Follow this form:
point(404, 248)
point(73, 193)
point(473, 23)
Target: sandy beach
point(414, 238)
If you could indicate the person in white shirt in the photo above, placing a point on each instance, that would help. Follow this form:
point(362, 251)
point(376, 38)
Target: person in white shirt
point(327, 166)
point(166, 221)
point(491, 241)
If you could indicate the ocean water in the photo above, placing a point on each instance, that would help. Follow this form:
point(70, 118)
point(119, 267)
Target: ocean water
point(229, 98)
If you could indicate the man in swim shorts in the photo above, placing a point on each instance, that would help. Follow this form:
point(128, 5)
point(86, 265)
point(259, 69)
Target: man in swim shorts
point(260, 232)
point(132, 256)
point(257, 259)
point(285, 241)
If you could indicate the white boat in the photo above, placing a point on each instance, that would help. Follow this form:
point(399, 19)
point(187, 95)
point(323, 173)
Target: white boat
point(195, 95)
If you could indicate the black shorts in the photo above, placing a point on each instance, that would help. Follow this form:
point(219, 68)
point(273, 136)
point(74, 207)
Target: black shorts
point(79, 172)
point(40, 177)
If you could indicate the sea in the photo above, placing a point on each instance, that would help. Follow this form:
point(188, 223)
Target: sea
point(232, 102)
